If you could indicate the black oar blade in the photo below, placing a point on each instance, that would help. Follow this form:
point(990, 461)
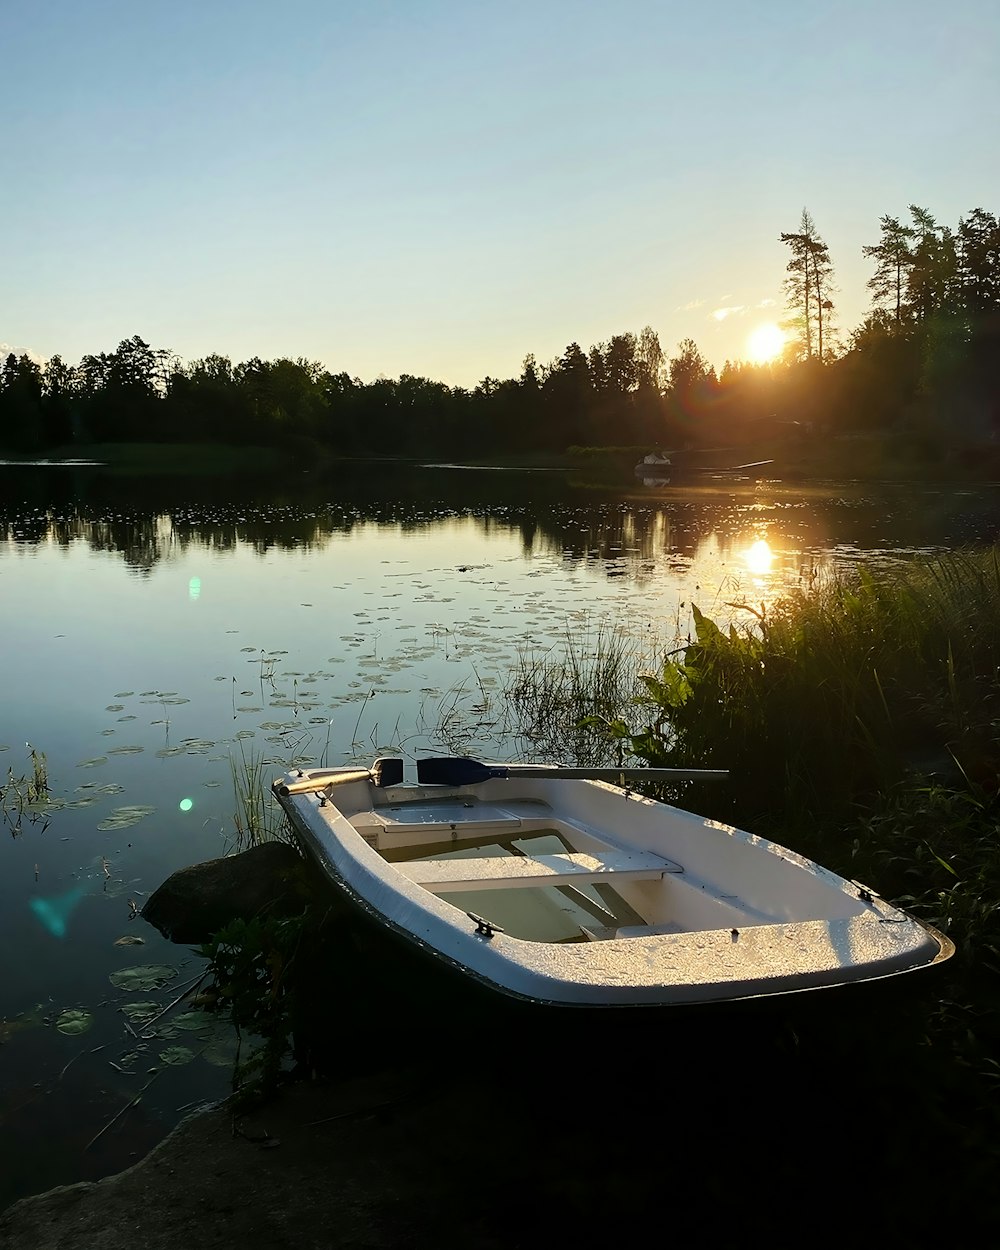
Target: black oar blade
point(454, 771)
point(387, 771)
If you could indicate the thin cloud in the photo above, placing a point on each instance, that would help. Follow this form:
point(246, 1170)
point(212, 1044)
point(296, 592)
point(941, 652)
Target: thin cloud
point(733, 310)
point(767, 303)
point(8, 349)
point(695, 303)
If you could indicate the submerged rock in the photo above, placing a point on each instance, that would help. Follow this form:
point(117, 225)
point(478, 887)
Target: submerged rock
point(196, 902)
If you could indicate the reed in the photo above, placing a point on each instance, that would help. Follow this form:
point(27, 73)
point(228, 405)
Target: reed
point(559, 701)
point(258, 816)
point(27, 795)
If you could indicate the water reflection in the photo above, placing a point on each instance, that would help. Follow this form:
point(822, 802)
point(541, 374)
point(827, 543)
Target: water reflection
point(759, 557)
point(151, 524)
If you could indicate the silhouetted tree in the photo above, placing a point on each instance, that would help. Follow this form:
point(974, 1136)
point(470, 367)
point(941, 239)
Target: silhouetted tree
point(933, 270)
point(808, 288)
point(893, 255)
point(21, 425)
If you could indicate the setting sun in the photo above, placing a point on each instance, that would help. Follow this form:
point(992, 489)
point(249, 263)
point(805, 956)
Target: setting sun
point(765, 343)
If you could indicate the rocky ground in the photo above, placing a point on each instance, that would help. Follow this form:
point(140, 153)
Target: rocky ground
point(507, 1141)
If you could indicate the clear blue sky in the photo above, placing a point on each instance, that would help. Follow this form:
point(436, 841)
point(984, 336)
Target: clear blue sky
point(438, 187)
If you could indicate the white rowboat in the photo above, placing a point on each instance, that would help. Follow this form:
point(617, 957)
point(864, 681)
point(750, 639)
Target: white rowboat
point(580, 893)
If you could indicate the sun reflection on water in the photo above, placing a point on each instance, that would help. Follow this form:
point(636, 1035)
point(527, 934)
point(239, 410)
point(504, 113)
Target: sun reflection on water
point(759, 558)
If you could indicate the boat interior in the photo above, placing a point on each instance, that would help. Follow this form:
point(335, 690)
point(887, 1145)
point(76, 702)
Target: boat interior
point(541, 875)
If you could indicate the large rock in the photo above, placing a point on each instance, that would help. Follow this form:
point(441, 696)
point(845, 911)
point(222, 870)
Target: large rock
point(196, 902)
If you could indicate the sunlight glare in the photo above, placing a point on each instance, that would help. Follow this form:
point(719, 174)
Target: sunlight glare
point(759, 557)
point(765, 343)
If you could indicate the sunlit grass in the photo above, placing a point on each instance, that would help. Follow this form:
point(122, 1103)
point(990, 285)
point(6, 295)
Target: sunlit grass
point(557, 698)
point(827, 697)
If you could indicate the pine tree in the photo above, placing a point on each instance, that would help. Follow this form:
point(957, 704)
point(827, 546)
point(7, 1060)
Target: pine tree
point(808, 288)
point(893, 255)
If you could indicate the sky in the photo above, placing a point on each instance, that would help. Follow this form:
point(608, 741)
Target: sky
point(439, 187)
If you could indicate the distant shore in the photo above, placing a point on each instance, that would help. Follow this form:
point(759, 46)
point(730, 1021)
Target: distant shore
point(870, 457)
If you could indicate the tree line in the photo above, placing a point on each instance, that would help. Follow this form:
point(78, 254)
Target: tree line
point(926, 358)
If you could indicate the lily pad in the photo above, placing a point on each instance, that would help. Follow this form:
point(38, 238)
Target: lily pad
point(74, 1021)
point(175, 1055)
point(195, 1021)
point(129, 939)
point(140, 1012)
point(220, 1051)
point(142, 977)
point(124, 817)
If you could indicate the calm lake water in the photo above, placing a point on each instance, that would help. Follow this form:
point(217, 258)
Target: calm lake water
point(157, 634)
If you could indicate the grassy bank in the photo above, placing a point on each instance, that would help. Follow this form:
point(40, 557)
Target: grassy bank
point(861, 725)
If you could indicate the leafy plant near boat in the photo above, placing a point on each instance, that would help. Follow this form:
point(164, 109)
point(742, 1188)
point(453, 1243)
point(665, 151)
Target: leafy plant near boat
point(261, 972)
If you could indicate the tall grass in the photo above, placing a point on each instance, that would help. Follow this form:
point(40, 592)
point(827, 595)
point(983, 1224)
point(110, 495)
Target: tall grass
point(258, 816)
point(559, 701)
point(829, 697)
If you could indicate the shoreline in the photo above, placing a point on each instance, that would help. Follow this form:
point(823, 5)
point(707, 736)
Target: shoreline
point(848, 458)
point(497, 1141)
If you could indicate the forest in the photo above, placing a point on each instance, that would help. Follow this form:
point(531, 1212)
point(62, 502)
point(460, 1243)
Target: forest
point(924, 366)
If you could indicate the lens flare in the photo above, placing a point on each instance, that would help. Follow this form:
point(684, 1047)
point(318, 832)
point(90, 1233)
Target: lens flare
point(54, 913)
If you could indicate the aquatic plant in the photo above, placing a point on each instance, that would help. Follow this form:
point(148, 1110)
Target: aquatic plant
point(560, 701)
point(258, 817)
point(27, 795)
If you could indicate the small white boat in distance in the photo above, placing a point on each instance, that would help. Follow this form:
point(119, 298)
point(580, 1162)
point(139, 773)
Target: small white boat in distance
point(656, 464)
point(562, 890)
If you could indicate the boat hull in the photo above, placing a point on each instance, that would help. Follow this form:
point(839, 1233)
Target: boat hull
point(752, 947)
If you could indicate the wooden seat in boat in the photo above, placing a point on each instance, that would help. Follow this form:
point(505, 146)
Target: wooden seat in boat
point(441, 876)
